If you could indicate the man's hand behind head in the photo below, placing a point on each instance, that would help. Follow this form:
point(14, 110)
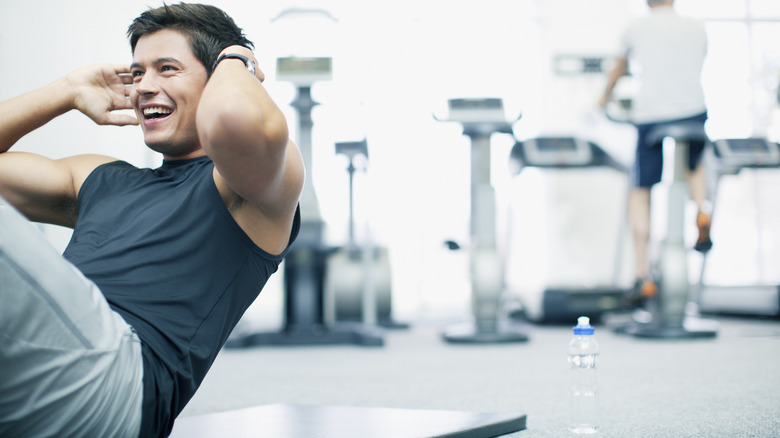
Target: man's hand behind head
point(99, 91)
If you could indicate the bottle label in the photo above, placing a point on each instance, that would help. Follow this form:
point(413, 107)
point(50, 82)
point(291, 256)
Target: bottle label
point(583, 360)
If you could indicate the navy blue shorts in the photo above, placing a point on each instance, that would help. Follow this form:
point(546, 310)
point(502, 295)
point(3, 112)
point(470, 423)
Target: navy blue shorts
point(649, 162)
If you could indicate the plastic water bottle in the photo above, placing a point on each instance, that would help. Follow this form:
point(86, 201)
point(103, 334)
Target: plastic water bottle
point(584, 385)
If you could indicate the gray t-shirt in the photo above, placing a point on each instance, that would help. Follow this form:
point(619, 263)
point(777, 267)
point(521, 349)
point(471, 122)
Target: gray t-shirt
point(666, 53)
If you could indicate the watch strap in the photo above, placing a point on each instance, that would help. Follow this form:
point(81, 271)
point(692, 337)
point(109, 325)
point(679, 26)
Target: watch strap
point(224, 56)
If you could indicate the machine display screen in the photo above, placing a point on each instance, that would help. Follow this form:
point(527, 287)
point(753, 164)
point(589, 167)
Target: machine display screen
point(352, 148)
point(477, 110)
point(556, 144)
point(748, 152)
point(754, 145)
point(557, 151)
point(304, 70)
point(303, 65)
point(476, 104)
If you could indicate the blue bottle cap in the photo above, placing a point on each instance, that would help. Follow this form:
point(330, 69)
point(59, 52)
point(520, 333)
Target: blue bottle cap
point(583, 326)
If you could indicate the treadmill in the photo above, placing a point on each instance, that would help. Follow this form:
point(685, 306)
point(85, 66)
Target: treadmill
point(600, 239)
point(740, 275)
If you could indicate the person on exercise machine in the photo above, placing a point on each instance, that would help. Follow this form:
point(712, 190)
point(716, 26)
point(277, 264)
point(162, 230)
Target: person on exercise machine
point(669, 51)
point(114, 337)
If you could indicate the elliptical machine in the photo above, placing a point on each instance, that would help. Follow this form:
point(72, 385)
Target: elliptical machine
point(358, 287)
point(666, 316)
point(668, 308)
point(480, 118)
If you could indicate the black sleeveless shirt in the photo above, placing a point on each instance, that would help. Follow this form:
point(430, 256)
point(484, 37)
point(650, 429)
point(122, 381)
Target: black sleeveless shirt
point(169, 258)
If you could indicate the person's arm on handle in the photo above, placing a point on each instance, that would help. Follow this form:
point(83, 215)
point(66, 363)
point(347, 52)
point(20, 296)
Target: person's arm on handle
point(246, 135)
point(618, 70)
point(41, 188)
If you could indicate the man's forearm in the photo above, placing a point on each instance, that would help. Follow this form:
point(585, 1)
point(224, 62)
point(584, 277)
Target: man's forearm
point(243, 131)
point(28, 112)
point(235, 105)
point(614, 75)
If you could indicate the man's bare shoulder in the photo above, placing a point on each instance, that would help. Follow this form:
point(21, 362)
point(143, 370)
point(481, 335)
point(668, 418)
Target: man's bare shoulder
point(81, 166)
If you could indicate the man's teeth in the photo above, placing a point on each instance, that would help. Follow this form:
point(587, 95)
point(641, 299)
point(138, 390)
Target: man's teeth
point(156, 111)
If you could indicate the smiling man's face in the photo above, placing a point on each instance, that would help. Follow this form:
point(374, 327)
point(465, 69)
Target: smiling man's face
point(167, 84)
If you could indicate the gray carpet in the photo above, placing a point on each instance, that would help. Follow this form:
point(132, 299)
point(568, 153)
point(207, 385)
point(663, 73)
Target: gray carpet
point(728, 386)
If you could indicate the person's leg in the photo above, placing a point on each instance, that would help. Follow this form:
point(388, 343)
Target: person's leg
point(697, 182)
point(69, 365)
point(697, 185)
point(639, 219)
point(646, 173)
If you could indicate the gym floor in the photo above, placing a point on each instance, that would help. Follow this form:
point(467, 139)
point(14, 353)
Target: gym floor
point(725, 386)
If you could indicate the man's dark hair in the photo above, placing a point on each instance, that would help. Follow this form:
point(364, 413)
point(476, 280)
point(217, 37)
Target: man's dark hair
point(208, 29)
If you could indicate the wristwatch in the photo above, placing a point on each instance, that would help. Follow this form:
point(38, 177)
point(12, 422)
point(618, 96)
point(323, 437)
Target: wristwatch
point(250, 64)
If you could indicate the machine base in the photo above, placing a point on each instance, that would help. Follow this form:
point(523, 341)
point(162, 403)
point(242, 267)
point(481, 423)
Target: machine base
point(758, 300)
point(661, 332)
point(559, 305)
point(341, 333)
point(690, 328)
point(470, 333)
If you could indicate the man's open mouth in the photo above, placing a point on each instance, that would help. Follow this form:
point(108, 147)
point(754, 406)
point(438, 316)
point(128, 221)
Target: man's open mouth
point(156, 112)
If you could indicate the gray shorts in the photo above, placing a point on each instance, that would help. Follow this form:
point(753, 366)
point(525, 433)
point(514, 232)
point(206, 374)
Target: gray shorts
point(69, 365)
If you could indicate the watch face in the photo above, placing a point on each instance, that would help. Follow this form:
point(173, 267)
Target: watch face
point(250, 65)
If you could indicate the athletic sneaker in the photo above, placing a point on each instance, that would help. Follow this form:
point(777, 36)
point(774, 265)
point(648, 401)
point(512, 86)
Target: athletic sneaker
point(704, 243)
point(644, 289)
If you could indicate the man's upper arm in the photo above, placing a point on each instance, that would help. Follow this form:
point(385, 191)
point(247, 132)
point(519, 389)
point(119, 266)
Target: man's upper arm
point(267, 220)
point(44, 189)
